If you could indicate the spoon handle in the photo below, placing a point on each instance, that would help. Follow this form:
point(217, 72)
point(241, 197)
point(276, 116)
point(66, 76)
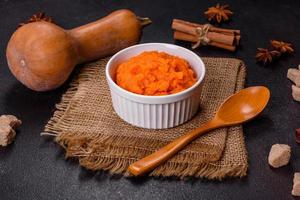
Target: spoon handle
point(155, 159)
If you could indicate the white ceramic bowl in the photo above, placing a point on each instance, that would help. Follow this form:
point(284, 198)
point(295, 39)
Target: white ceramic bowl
point(155, 112)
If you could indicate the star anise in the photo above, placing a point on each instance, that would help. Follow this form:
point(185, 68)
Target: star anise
point(282, 47)
point(40, 16)
point(266, 56)
point(218, 13)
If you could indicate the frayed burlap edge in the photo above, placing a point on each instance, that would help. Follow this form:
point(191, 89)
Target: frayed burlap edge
point(118, 165)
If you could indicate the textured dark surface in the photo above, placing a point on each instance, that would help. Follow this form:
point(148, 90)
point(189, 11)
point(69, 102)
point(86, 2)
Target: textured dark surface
point(34, 167)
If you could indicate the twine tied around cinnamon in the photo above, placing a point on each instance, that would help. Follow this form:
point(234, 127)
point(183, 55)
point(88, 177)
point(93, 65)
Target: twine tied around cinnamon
point(202, 36)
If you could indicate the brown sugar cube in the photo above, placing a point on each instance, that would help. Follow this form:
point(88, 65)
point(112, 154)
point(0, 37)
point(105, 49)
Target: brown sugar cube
point(296, 93)
point(7, 134)
point(7, 125)
point(296, 189)
point(294, 75)
point(296, 184)
point(279, 155)
point(10, 120)
point(296, 177)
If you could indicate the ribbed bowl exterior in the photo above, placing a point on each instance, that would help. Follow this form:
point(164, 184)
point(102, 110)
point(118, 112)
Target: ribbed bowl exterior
point(156, 116)
point(155, 112)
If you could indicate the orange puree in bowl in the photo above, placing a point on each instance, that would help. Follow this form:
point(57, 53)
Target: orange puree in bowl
point(155, 73)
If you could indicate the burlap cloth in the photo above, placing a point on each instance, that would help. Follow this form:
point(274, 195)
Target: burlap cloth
point(87, 127)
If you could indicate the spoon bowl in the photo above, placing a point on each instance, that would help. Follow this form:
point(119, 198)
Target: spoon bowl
point(238, 108)
point(243, 106)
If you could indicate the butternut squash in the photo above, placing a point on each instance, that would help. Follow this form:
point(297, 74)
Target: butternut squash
point(41, 55)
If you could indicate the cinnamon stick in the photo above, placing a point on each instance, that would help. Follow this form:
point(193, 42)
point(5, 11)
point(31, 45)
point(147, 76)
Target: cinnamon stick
point(223, 46)
point(213, 36)
point(184, 36)
point(227, 39)
point(192, 38)
point(214, 29)
point(221, 38)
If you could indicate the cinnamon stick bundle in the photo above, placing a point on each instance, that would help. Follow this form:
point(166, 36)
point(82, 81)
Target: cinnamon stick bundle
point(219, 37)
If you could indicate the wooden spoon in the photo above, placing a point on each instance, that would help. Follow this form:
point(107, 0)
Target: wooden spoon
point(238, 108)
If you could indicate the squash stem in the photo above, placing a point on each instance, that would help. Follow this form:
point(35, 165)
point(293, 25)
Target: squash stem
point(144, 21)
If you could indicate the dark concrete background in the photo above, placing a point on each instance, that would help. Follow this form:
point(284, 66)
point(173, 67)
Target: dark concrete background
point(34, 167)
